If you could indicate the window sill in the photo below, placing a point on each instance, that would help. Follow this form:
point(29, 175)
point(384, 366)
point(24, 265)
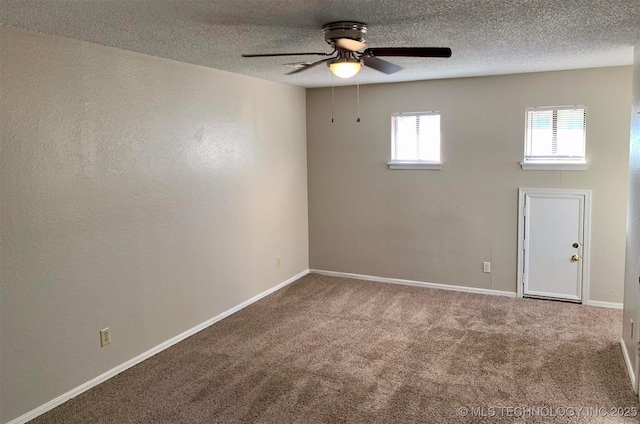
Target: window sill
point(554, 166)
point(406, 164)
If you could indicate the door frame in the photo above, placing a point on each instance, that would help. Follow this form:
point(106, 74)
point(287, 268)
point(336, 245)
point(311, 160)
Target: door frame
point(586, 246)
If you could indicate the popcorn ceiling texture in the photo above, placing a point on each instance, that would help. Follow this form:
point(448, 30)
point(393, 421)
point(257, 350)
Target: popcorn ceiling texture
point(487, 37)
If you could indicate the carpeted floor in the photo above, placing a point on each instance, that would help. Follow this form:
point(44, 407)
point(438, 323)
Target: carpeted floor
point(333, 350)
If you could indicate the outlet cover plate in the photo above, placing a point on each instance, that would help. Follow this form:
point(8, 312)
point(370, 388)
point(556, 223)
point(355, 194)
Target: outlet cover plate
point(486, 266)
point(105, 337)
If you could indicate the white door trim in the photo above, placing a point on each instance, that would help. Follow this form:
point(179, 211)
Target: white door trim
point(586, 247)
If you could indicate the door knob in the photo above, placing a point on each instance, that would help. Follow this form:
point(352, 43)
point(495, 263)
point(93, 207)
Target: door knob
point(575, 258)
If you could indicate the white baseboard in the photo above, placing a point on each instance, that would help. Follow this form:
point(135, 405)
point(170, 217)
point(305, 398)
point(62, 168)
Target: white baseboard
point(414, 283)
point(627, 361)
point(162, 346)
point(599, 304)
point(465, 289)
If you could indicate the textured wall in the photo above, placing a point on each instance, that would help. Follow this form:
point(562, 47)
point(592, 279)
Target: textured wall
point(631, 287)
point(138, 193)
point(439, 226)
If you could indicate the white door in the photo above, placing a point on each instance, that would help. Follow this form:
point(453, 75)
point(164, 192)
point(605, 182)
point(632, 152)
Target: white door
point(553, 243)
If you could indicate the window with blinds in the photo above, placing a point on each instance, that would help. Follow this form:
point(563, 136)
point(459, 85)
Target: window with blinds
point(415, 137)
point(555, 134)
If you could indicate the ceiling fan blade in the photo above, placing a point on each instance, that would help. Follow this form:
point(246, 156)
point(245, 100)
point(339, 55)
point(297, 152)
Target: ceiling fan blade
point(311, 65)
point(380, 65)
point(409, 51)
point(285, 54)
point(349, 44)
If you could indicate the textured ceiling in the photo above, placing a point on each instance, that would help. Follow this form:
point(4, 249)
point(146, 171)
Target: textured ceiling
point(488, 37)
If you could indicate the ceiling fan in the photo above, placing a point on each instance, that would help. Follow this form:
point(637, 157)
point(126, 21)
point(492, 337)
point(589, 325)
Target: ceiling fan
point(350, 52)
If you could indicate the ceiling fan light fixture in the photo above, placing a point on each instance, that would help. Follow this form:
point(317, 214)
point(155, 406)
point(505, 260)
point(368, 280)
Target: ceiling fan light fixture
point(345, 67)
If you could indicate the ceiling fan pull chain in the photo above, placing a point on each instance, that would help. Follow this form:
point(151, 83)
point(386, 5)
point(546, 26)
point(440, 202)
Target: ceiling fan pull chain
point(332, 98)
point(358, 96)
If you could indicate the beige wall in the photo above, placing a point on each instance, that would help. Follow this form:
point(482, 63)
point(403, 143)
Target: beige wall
point(439, 226)
point(631, 287)
point(139, 194)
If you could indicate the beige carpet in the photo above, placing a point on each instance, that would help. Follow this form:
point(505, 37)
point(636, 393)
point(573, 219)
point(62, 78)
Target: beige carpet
point(332, 350)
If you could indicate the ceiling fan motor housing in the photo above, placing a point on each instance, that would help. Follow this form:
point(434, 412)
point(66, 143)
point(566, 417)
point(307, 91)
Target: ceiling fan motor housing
point(344, 29)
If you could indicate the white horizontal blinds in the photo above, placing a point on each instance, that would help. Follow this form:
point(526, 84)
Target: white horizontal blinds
point(555, 133)
point(416, 137)
point(429, 137)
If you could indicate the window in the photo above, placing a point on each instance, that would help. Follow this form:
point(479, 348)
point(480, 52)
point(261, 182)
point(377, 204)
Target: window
point(415, 141)
point(555, 138)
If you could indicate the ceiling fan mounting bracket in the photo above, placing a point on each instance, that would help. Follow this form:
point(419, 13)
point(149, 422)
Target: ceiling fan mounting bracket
point(344, 29)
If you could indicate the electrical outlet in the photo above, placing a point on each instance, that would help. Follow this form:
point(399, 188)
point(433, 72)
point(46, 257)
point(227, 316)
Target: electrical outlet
point(105, 337)
point(278, 262)
point(486, 266)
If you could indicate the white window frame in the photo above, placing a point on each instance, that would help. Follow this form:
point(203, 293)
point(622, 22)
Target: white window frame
point(414, 164)
point(551, 164)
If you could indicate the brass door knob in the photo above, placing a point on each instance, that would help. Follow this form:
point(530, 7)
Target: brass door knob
point(575, 258)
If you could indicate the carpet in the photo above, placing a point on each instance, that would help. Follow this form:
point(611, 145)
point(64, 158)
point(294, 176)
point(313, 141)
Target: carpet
point(334, 350)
